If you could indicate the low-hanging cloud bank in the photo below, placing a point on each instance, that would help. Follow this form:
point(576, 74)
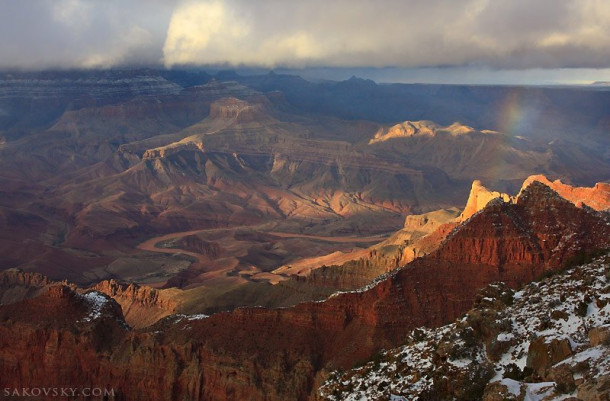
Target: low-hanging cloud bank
point(511, 34)
point(498, 33)
point(38, 34)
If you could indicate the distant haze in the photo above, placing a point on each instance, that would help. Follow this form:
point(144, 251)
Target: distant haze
point(485, 41)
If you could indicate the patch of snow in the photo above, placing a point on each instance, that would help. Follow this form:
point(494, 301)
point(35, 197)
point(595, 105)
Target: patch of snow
point(460, 363)
point(538, 391)
point(97, 302)
point(199, 316)
point(513, 386)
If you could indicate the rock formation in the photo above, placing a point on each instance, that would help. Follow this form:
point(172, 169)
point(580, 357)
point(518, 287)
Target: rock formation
point(422, 234)
point(597, 197)
point(238, 110)
point(426, 223)
point(141, 306)
point(103, 160)
point(479, 197)
point(421, 128)
point(509, 346)
point(16, 285)
point(220, 357)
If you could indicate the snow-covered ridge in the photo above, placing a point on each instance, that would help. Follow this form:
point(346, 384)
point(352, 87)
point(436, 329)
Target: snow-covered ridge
point(550, 340)
point(180, 317)
point(378, 280)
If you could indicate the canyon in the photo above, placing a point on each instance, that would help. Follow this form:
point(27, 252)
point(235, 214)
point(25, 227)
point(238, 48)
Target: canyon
point(182, 235)
point(95, 172)
point(218, 357)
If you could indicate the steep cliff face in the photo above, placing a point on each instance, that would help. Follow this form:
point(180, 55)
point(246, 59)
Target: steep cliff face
point(36, 98)
point(597, 197)
point(479, 197)
point(421, 234)
point(83, 85)
point(59, 337)
point(261, 354)
point(141, 306)
point(540, 229)
point(170, 150)
point(424, 129)
point(16, 285)
point(341, 330)
point(426, 244)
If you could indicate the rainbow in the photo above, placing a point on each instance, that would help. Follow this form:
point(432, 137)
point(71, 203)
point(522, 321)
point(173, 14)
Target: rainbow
point(515, 112)
point(514, 115)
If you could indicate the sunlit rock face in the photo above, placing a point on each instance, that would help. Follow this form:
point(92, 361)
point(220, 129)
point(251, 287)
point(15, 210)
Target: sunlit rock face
point(218, 357)
point(479, 197)
point(597, 197)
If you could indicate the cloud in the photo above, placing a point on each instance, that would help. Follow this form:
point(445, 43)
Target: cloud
point(498, 33)
point(82, 33)
point(507, 34)
point(197, 27)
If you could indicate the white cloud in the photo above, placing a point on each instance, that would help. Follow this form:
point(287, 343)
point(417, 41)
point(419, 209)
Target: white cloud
point(500, 33)
point(301, 33)
point(204, 27)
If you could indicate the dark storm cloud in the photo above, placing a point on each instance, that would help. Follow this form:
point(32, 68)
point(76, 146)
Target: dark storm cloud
point(82, 33)
point(498, 33)
point(271, 33)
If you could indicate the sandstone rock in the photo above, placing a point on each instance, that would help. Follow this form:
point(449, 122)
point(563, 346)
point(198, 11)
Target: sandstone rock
point(544, 352)
point(496, 296)
point(599, 335)
point(429, 222)
point(562, 375)
point(479, 197)
point(17, 285)
point(142, 306)
point(406, 129)
point(422, 128)
point(559, 314)
point(597, 197)
point(426, 244)
point(59, 291)
point(172, 149)
point(498, 391)
point(596, 390)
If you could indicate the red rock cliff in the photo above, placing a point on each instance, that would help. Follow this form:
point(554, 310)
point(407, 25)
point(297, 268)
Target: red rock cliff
point(141, 305)
point(597, 197)
point(261, 354)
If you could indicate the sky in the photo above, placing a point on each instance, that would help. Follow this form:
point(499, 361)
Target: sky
point(544, 41)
